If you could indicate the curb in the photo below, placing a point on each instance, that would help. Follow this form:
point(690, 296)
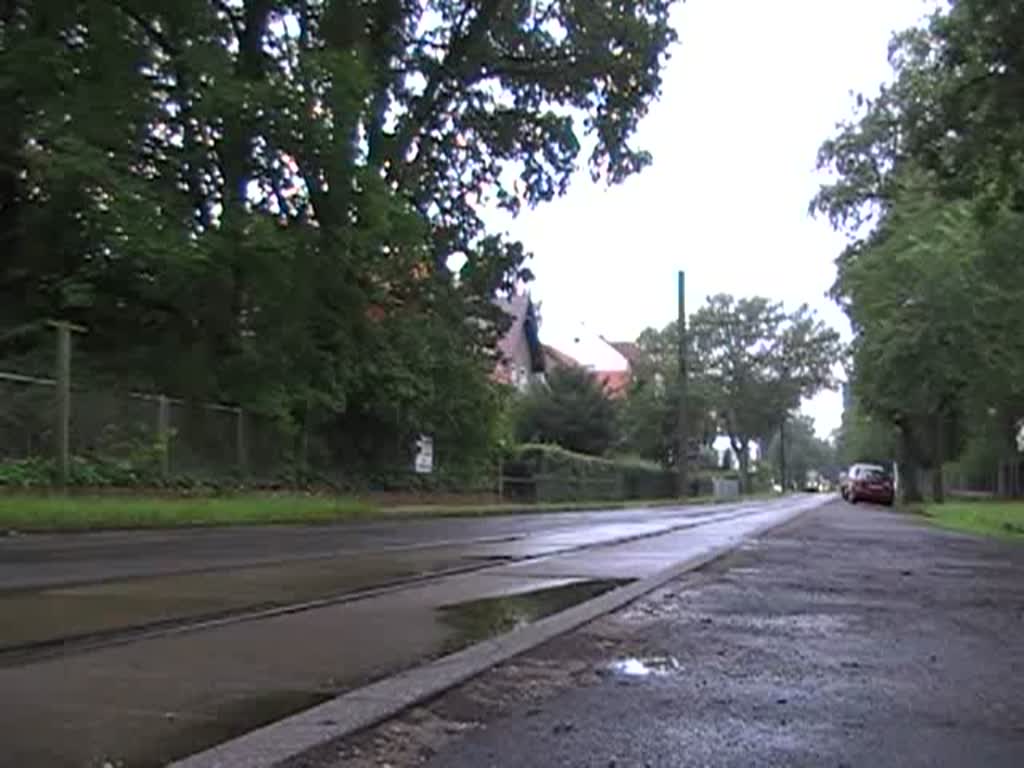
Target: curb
point(279, 742)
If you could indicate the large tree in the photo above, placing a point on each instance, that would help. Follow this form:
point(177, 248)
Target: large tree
point(929, 186)
point(758, 362)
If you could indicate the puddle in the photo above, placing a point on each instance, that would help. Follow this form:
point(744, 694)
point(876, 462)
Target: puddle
point(482, 619)
point(653, 666)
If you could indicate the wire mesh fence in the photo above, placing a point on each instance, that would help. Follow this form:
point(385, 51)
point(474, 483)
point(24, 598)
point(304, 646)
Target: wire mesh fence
point(132, 438)
point(138, 436)
point(26, 427)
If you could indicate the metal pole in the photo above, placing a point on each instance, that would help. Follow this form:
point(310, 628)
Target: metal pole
point(782, 452)
point(682, 458)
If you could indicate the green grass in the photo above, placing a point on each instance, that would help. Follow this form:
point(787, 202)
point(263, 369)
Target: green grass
point(27, 512)
point(1004, 519)
point(51, 513)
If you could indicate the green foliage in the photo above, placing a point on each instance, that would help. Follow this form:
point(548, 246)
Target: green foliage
point(570, 409)
point(26, 473)
point(650, 414)
point(805, 451)
point(254, 201)
point(864, 438)
point(756, 362)
point(934, 286)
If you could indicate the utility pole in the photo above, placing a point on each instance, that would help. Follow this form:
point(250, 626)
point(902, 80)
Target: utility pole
point(782, 452)
point(683, 449)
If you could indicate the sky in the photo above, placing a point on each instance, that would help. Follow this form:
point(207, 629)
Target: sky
point(751, 91)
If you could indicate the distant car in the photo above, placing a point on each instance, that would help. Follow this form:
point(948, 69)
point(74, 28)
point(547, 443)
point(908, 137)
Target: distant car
point(869, 482)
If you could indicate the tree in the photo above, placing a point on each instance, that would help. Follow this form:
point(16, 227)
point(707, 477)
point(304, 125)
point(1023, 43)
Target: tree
point(863, 438)
point(805, 451)
point(930, 189)
point(650, 414)
point(572, 410)
point(757, 362)
point(267, 193)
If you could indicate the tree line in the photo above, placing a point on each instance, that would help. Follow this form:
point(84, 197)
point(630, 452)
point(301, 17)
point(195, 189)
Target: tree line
point(750, 363)
point(256, 201)
point(928, 184)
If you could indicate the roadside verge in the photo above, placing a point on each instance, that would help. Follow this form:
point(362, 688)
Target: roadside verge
point(28, 513)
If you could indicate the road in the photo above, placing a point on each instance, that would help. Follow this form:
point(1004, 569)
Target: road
point(143, 647)
point(853, 636)
point(51, 559)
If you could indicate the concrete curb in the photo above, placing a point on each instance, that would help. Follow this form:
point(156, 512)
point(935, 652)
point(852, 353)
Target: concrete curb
point(276, 743)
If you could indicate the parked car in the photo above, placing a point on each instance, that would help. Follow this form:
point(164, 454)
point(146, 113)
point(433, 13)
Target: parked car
point(869, 482)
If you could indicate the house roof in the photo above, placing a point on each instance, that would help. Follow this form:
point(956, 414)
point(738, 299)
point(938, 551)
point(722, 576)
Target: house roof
point(628, 349)
point(559, 358)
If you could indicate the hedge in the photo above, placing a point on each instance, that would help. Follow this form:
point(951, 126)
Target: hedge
point(542, 473)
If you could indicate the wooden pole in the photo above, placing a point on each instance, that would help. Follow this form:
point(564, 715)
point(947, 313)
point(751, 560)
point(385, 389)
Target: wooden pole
point(782, 454)
point(62, 375)
point(240, 438)
point(163, 432)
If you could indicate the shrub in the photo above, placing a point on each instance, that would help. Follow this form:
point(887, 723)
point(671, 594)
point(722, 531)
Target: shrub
point(541, 472)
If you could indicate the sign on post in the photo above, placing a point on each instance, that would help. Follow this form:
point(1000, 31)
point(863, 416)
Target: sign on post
point(423, 463)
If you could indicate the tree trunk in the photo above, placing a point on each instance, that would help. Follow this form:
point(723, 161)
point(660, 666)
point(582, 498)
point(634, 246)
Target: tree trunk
point(744, 460)
point(938, 489)
point(910, 489)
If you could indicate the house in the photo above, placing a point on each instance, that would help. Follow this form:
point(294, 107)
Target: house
point(555, 359)
point(611, 361)
point(520, 353)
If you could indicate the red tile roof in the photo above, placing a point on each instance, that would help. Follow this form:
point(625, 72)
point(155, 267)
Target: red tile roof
point(616, 383)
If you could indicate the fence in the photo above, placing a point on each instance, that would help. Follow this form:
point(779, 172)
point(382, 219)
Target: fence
point(137, 437)
point(1004, 479)
point(60, 429)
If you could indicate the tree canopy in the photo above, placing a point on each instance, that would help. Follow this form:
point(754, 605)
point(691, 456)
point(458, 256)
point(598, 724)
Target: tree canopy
point(756, 363)
point(256, 201)
point(927, 182)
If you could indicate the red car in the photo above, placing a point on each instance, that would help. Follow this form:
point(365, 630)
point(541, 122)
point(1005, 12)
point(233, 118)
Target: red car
point(870, 482)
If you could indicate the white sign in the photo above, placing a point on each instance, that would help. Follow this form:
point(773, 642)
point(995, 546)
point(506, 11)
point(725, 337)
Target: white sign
point(424, 461)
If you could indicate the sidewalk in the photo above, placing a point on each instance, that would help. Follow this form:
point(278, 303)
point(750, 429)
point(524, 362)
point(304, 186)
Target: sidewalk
point(852, 637)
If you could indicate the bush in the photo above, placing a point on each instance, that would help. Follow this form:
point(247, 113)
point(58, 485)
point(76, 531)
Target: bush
point(541, 472)
point(26, 473)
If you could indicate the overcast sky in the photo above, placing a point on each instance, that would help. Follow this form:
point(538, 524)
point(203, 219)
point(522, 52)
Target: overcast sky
point(751, 91)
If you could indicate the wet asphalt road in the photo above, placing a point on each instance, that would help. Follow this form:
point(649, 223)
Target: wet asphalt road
point(37, 560)
point(145, 700)
point(852, 637)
